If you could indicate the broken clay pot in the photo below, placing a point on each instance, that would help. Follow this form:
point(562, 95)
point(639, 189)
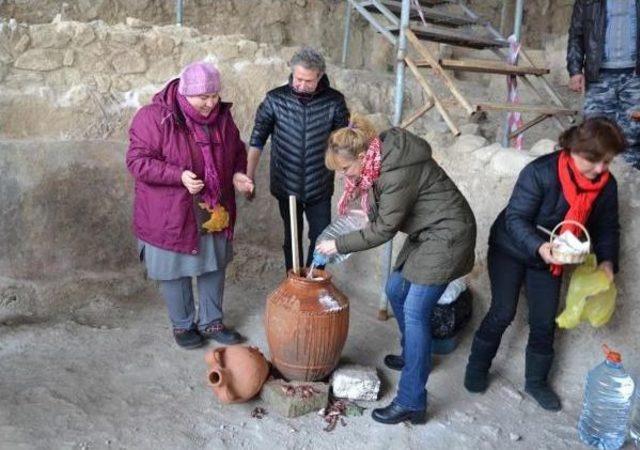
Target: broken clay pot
point(236, 373)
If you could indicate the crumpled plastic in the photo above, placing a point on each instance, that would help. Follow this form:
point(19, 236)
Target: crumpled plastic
point(219, 219)
point(591, 296)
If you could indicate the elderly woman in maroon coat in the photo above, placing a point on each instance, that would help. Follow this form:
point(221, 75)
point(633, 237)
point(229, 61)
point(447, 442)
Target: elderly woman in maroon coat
point(187, 157)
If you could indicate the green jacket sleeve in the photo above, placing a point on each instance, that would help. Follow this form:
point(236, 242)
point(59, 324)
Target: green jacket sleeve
point(398, 192)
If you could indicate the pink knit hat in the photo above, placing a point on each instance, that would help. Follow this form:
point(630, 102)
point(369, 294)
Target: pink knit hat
point(199, 78)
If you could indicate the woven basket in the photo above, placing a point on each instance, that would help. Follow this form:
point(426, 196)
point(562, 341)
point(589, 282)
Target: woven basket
point(569, 257)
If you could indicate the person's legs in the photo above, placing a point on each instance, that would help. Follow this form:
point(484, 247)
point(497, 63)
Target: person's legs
point(543, 294)
point(210, 293)
point(283, 205)
point(601, 98)
point(318, 217)
point(411, 399)
point(178, 297)
point(629, 101)
point(418, 307)
point(397, 289)
point(506, 276)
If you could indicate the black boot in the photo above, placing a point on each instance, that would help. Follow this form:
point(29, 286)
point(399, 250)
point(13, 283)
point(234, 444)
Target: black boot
point(536, 371)
point(476, 377)
point(395, 362)
point(395, 413)
point(187, 338)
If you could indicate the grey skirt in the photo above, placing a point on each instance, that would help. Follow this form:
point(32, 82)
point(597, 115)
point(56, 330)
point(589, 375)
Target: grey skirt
point(215, 253)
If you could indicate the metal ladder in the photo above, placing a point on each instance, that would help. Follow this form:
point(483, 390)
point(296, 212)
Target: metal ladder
point(451, 22)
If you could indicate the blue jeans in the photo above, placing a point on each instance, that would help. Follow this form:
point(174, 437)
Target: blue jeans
point(412, 306)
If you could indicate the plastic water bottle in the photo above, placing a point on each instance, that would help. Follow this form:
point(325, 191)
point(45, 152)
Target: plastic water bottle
point(634, 429)
point(355, 219)
point(607, 404)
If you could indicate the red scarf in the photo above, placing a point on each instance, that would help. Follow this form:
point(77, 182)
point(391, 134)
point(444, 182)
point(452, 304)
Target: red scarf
point(580, 192)
point(359, 187)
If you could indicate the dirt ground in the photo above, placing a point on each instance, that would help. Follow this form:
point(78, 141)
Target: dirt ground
point(110, 376)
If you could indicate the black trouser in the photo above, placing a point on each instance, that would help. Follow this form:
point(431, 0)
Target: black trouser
point(318, 217)
point(542, 290)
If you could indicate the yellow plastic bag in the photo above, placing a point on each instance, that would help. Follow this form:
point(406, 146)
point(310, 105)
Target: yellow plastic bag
point(591, 297)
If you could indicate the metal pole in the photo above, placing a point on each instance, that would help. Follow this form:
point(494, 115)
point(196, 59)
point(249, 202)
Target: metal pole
point(517, 30)
point(400, 65)
point(347, 32)
point(179, 11)
point(503, 16)
point(517, 23)
point(397, 119)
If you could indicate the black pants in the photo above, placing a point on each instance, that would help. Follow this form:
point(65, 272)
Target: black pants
point(542, 290)
point(318, 217)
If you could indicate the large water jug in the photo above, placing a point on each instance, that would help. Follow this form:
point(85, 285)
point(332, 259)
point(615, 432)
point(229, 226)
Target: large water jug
point(634, 429)
point(607, 401)
point(354, 219)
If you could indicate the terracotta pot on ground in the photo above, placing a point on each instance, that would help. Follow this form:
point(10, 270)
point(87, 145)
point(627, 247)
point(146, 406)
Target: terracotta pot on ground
point(307, 321)
point(236, 373)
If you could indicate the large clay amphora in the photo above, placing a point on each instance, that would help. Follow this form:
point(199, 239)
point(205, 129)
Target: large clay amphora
point(236, 373)
point(307, 321)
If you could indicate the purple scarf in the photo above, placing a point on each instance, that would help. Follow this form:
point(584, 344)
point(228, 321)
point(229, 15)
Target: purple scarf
point(208, 138)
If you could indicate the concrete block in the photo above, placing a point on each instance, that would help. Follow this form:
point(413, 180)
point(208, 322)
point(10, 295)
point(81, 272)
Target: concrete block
point(485, 154)
point(470, 128)
point(509, 162)
point(356, 383)
point(40, 59)
point(294, 398)
point(467, 143)
point(543, 147)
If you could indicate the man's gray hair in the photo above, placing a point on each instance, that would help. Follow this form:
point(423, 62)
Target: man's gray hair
point(309, 58)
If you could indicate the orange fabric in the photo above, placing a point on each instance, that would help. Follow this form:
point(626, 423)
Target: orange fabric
point(580, 192)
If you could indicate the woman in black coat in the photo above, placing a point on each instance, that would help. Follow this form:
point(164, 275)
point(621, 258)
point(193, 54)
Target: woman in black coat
point(573, 183)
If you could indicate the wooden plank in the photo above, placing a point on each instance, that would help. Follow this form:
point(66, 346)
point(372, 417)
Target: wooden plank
point(545, 84)
point(372, 20)
point(530, 85)
point(485, 66)
point(434, 2)
point(454, 37)
point(531, 123)
point(379, 6)
point(293, 223)
point(419, 113)
point(430, 14)
point(427, 88)
point(448, 81)
point(539, 109)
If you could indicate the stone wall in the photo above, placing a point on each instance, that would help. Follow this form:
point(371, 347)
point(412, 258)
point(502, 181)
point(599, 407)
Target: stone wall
point(278, 22)
point(84, 80)
point(281, 22)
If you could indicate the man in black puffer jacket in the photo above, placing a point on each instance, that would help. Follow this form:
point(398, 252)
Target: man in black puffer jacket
point(299, 117)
